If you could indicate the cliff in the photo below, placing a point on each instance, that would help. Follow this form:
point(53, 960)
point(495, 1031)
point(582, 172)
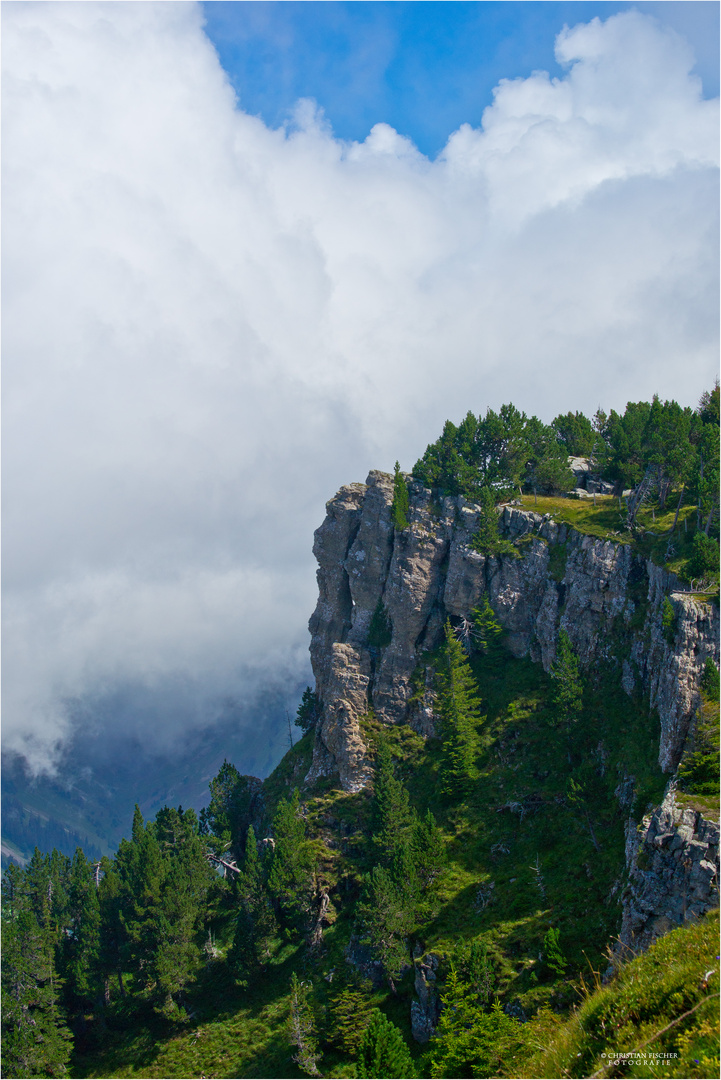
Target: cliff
point(607, 598)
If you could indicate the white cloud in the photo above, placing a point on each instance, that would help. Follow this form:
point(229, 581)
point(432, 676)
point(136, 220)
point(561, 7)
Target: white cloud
point(210, 325)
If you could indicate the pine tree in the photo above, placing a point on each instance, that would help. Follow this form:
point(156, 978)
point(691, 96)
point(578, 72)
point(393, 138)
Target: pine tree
point(380, 630)
point(309, 710)
point(399, 507)
point(302, 1028)
point(383, 1052)
point(429, 851)
point(460, 709)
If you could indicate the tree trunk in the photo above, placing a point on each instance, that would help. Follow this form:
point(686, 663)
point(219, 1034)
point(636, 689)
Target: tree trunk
point(678, 507)
point(710, 517)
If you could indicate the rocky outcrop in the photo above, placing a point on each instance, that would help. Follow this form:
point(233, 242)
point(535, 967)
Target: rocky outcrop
point(598, 590)
point(673, 863)
point(426, 1010)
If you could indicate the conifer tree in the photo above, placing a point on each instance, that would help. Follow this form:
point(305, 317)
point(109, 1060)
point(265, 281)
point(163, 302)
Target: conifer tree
point(256, 924)
point(470, 1041)
point(388, 918)
point(568, 695)
point(399, 507)
point(35, 1040)
point(309, 710)
point(383, 1052)
point(487, 539)
point(488, 632)
point(81, 945)
point(392, 818)
point(292, 872)
point(350, 1013)
point(302, 1028)
point(460, 709)
point(429, 851)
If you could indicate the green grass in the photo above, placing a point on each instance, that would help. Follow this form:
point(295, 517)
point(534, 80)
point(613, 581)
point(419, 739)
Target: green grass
point(651, 537)
point(678, 974)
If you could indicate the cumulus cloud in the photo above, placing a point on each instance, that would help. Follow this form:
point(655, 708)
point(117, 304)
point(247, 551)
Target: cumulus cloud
point(210, 325)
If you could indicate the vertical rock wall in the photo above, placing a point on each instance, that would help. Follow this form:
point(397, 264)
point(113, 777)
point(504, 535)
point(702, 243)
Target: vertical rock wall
point(594, 588)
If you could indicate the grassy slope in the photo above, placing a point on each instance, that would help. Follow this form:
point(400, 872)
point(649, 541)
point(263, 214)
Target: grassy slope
point(525, 761)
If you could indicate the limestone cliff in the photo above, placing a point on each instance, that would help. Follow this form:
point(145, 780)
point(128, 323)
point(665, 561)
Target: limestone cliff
point(672, 859)
point(598, 590)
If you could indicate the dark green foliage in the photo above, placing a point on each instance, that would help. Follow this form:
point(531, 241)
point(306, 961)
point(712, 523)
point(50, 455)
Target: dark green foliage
point(399, 507)
point(302, 1033)
point(487, 539)
point(576, 432)
point(380, 631)
point(704, 557)
point(392, 819)
point(291, 880)
point(81, 946)
point(387, 914)
point(553, 956)
point(568, 696)
point(382, 1051)
point(488, 632)
point(165, 879)
point(668, 620)
point(710, 681)
point(35, 1040)
point(256, 924)
point(429, 852)
point(460, 708)
point(309, 710)
point(470, 1041)
point(350, 1010)
point(227, 816)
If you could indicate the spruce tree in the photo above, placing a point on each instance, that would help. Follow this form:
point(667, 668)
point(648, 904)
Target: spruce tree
point(399, 507)
point(470, 1041)
point(292, 872)
point(256, 924)
point(309, 710)
point(388, 918)
point(392, 818)
point(350, 1013)
point(460, 709)
point(383, 1052)
point(488, 632)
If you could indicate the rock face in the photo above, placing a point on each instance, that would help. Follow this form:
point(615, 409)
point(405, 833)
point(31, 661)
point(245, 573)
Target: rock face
point(597, 590)
point(673, 864)
point(426, 1011)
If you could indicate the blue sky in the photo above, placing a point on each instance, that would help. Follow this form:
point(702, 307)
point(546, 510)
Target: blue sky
point(424, 68)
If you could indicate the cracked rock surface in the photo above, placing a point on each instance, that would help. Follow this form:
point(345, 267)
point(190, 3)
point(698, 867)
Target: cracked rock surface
point(560, 578)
